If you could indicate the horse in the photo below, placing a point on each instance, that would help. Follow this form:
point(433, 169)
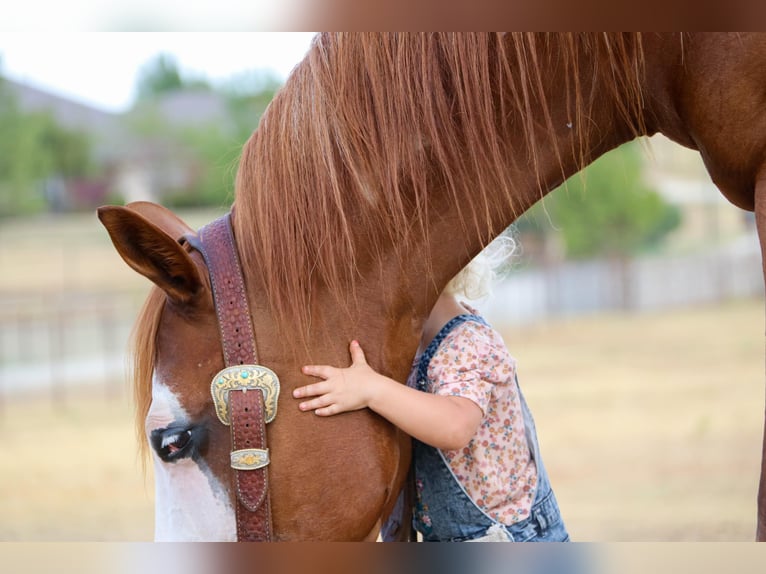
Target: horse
point(383, 165)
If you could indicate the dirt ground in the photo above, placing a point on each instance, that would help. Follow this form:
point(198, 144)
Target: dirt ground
point(650, 428)
point(70, 471)
point(650, 425)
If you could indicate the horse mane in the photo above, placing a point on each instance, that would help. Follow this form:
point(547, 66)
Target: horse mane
point(367, 125)
point(143, 350)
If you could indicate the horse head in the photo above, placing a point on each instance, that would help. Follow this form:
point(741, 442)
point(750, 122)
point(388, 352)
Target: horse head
point(314, 462)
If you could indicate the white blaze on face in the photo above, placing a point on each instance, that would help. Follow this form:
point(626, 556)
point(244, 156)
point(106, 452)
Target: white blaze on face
point(191, 504)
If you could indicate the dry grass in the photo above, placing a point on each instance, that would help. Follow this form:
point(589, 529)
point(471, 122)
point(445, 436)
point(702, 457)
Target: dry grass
point(71, 252)
point(69, 471)
point(650, 427)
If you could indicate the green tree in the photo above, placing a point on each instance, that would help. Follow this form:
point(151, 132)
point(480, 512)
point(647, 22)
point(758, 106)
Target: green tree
point(215, 153)
point(211, 151)
point(218, 149)
point(34, 148)
point(247, 97)
point(606, 210)
point(161, 76)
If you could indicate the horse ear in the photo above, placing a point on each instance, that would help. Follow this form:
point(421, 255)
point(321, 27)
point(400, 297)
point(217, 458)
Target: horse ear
point(146, 236)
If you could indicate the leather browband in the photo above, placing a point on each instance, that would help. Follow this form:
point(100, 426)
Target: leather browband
point(246, 410)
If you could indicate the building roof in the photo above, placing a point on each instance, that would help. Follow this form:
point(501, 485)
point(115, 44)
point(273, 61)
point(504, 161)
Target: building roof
point(66, 112)
point(189, 108)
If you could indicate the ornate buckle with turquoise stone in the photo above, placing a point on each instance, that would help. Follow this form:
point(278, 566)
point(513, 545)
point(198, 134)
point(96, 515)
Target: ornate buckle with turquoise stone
point(245, 378)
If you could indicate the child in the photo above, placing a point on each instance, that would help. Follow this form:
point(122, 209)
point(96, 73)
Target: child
point(477, 467)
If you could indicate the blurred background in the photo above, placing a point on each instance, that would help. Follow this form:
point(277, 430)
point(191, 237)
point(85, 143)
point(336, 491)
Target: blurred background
point(634, 302)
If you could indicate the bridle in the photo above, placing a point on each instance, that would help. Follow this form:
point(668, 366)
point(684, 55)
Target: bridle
point(245, 412)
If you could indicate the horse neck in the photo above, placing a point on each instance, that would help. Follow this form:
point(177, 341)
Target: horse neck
point(560, 153)
point(456, 170)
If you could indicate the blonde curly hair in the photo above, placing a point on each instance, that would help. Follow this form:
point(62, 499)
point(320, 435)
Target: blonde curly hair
point(475, 280)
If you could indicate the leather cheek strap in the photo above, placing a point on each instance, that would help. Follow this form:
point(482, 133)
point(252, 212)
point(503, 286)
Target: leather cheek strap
point(246, 407)
point(252, 486)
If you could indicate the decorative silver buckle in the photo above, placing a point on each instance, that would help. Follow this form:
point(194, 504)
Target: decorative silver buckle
point(249, 458)
point(245, 378)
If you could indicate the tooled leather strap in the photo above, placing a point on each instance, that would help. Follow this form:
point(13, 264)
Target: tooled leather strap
point(246, 409)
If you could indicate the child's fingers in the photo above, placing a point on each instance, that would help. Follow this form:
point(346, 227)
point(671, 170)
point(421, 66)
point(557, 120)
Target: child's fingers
point(321, 405)
point(322, 371)
point(311, 390)
point(327, 411)
point(357, 355)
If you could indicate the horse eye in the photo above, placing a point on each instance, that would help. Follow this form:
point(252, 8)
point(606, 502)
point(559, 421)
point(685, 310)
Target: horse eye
point(176, 442)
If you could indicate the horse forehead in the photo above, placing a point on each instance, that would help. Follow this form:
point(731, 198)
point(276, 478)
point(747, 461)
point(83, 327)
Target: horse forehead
point(166, 404)
point(178, 399)
point(189, 356)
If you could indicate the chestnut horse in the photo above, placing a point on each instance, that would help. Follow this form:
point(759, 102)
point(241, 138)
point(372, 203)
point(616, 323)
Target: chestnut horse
point(384, 164)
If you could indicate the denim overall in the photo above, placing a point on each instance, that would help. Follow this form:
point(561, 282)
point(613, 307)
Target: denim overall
point(444, 511)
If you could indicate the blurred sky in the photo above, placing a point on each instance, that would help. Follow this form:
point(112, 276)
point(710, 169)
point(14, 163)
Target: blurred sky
point(100, 68)
point(152, 15)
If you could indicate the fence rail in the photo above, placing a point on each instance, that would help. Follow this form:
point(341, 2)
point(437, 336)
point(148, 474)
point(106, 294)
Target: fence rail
point(641, 284)
point(50, 342)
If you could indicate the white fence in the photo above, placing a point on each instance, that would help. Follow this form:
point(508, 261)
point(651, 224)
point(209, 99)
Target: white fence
point(642, 284)
point(50, 342)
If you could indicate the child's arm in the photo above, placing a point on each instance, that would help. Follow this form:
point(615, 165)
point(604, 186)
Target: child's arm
point(445, 422)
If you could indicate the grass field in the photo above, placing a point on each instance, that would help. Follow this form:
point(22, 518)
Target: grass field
point(650, 424)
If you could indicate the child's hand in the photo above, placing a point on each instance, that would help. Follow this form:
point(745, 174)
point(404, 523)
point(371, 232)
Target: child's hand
point(341, 390)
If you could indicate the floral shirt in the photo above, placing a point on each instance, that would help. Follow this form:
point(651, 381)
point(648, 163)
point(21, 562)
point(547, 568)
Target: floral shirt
point(495, 468)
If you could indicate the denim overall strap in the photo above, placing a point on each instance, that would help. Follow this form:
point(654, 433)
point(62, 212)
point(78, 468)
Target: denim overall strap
point(544, 522)
point(444, 511)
